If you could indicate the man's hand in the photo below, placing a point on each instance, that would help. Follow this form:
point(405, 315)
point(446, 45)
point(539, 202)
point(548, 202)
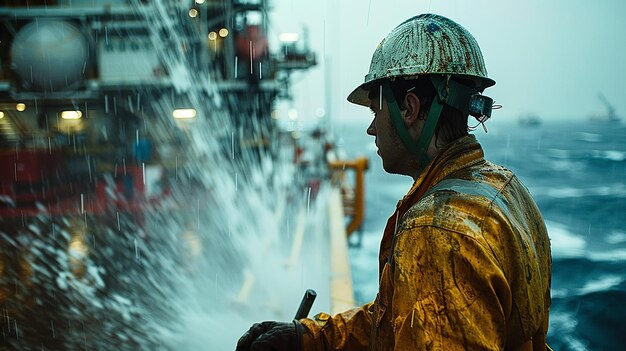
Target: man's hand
point(272, 336)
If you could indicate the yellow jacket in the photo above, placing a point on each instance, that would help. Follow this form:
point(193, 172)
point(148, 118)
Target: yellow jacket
point(470, 269)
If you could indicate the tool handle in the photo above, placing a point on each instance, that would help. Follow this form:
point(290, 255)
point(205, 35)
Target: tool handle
point(305, 304)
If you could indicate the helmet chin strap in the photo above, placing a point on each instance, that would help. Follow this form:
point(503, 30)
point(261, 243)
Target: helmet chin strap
point(418, 149)
point(449, 92)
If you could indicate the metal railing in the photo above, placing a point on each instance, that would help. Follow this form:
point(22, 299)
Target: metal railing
point(353, 196)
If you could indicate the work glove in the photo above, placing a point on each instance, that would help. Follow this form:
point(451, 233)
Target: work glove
point(272, 336)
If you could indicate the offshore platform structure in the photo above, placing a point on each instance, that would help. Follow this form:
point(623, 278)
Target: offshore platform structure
point(97, 99)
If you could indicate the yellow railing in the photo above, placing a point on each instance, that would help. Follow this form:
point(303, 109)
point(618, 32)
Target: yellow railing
point(341, 291)
point(353, 197)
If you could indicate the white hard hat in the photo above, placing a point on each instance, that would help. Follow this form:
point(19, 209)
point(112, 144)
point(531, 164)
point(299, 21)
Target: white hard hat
point(422, 45)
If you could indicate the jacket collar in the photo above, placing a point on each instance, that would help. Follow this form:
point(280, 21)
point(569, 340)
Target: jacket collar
point(461, 153)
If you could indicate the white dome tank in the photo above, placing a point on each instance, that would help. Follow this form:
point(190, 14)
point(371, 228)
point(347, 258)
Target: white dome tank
point(50, 55)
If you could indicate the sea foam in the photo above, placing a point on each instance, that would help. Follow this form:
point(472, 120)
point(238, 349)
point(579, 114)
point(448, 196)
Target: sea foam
point(565, 244)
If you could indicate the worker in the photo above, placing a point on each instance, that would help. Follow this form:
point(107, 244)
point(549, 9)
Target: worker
point(464, 261)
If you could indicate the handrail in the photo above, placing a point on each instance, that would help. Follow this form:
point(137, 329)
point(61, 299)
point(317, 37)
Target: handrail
point(341, 289)
point(354, 207)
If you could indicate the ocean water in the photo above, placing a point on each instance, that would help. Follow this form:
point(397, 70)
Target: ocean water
point(576, 172)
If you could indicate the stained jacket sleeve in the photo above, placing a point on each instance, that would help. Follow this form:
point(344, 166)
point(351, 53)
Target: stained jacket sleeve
point(348, 330)
point(449, 292)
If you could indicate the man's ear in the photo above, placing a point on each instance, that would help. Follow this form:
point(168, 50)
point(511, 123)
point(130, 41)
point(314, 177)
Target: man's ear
point(412, 111)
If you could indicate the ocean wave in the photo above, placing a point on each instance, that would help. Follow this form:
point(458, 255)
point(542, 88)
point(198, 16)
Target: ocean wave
point(611, 155)
point(558, 153)
point(599, 285)
point(588, 137)
point(569, 156)
point(563, 326)
point(566, 165)
point(612, 255)
point(588, 322)
point(615, 238)
point(603, 283)
point(564, 251)
point(565, 244)
point(614, 190)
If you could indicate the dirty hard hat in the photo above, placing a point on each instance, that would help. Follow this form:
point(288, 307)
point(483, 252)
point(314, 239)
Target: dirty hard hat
point(423, 45)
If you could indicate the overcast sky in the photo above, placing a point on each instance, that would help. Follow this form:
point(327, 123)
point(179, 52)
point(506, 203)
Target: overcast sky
point(551, 58)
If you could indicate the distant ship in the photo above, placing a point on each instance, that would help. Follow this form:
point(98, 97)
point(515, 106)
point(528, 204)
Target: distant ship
point(529, 119)
point(609, 117)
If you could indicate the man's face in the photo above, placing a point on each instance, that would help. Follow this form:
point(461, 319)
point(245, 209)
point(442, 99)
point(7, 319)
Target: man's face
point(390, 148)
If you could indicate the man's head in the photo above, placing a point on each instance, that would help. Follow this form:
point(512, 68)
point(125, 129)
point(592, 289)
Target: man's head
point(414, 98)
point(425, 78)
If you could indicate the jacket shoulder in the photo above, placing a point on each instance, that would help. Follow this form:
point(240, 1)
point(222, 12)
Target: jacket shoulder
point(460, 202)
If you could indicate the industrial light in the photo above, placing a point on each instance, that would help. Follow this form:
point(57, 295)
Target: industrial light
point(289, 37)
point(193, 13)
point(71, 114)
point(223, 32)
point(20, 106)
point(293, 114)
point(200, 2)
point(184, 113)
point(212, 36)
point(77, 248)
point(77, 252)
point(1, 115)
